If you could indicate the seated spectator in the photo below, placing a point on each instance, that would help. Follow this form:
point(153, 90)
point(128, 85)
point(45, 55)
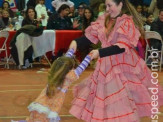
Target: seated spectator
point(79, 18)
point(157, 26)
point(72, 13)
point(30, 17)
point(41, 12)
point(6, 21)
point(21, 47)
point(149, 20)
point(139, 9)
point(57, 3)
point(60, 20)
point(88, 17)
point(6, 6)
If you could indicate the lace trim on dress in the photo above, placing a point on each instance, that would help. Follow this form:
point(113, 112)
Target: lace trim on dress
point(53, 116)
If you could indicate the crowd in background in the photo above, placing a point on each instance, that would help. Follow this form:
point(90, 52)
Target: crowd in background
point(65, 16)
point(68, 17)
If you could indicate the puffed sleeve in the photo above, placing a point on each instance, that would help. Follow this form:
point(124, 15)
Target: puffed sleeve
point(127, 35)
point(91, 32)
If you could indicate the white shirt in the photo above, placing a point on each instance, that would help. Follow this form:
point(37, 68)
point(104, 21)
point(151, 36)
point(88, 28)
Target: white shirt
point(41, 9)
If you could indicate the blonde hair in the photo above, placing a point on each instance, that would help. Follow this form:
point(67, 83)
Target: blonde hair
point(4, 10)
point(57, 73)
point(101, 7)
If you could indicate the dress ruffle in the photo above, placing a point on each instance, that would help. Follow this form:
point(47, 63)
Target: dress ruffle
point(92, 31)
point(51, 115)
point(45, 109)
point(115, 98)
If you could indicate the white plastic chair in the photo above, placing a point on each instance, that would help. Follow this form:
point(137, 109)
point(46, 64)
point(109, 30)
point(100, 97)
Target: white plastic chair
point(3, 48)
point(153, 35)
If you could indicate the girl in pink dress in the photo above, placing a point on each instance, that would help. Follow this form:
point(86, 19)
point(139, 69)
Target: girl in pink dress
point(48, 104)
point(121, 88)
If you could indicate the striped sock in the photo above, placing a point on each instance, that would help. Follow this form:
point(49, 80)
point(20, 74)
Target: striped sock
point(69, 53)
point(83, 65)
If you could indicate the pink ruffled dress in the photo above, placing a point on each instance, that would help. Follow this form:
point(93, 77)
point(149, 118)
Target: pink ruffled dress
point(119, 88)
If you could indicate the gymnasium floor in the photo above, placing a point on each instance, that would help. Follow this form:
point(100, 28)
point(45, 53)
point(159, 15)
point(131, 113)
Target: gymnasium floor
point(18, 88)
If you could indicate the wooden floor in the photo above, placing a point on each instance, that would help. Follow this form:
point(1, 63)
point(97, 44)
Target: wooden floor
point(18, 88)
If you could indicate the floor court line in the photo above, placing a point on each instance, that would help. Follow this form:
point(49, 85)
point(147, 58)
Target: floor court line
point(13, 117)
point(19, 85)
point(24, 90)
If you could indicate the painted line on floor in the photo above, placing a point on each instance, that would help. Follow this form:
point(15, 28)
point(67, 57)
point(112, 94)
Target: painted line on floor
point(20, 90)
point(25, 90)
point(18, 117)
point(14, 117)
point(19, 85)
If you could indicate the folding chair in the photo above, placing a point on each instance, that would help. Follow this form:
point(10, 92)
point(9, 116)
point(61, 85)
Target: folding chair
point(3, 47)
point(153, 35)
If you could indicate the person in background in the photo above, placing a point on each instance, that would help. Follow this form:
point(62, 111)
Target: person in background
point(139, 9)
point(118, 90)
point(41, 12)
point(88, 17)
point(155, 6)
point(157, 26)
point(31, 17)
point(6, 6)
point(60, 20)
point(72, 13)
point(79, 18)
point(6, 21)
point(57, 4)
point(149, 20)
point(101, 9)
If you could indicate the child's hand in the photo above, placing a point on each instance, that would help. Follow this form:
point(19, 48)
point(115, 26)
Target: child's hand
point(42, 16)
point(94, 54)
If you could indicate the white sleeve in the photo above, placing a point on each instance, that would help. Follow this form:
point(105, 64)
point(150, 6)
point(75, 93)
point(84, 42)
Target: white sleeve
point(43, 11)
point(38, 10)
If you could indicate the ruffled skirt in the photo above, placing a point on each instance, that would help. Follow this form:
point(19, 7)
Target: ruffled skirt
point(123, 93)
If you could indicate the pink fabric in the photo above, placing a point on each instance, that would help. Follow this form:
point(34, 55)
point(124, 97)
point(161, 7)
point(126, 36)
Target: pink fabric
point(117, 91)
point(141, 50)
